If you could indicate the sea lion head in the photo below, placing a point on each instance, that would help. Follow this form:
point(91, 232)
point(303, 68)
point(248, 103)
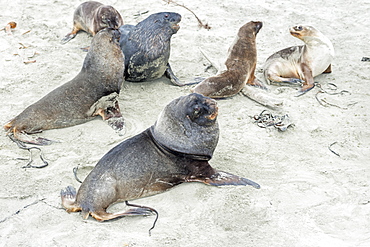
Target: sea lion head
point(303, 32)
point(104, 37)
point(110, 17)
point(188, 125)
point(251, 27)
point(167, 22)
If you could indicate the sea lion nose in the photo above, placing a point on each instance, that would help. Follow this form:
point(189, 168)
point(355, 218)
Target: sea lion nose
point(212, 104)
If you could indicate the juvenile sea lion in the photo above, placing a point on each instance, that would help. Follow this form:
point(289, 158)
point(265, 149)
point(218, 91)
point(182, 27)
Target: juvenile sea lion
point(92, 92)
point(146, 47)
point(240, 66)
point(176, 149)
point(300, 64)
point(92, 17)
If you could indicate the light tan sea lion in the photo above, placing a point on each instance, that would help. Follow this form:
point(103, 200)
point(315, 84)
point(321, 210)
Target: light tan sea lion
point(300, 64)
point(79, 100)
point(175, 150)
point(240, 64)
point(92, 17)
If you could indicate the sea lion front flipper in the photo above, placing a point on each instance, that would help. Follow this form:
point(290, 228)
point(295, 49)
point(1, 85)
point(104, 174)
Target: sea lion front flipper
point(220, 178)
point(309, 81)
point(170, 75)
point(108, 108)
point(175, 81)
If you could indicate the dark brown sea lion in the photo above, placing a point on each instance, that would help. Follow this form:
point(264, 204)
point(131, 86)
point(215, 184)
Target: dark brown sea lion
point(175, 150)
point(146, 47)
point(240, 66)
point(92, 92)
point(300, 64)
point(92, 17)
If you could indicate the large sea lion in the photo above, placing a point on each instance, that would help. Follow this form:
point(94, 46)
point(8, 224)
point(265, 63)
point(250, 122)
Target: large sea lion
point(92, 92)
point(176, 149)
point(92, 17)
point(240, 66)
point(300, 64)
point(146, 47)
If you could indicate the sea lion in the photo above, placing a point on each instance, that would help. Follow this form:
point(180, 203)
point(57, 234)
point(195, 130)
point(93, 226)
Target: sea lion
point(92, 17)
point(146, 47)
point(92, 92)
point(240, 66)
point(176, 149)
point(300, 64)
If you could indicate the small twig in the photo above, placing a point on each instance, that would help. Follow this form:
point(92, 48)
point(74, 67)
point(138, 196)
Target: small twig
point(337, 154)
point(19, 210)
point(151, 209)
point(200, 23)
point(23, 46)
point(26, 32)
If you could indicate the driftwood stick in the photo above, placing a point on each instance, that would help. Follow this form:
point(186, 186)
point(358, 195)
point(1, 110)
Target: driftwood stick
point(200, 23)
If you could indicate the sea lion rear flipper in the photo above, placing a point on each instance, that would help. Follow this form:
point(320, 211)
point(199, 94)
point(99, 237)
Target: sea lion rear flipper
point(68, 196)
point(85, 49)
point(221, 178)
point(23, 137)
point(275, 79)
point(138, 211)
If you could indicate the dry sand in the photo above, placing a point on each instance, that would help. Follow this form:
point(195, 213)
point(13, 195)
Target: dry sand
point(309, 196)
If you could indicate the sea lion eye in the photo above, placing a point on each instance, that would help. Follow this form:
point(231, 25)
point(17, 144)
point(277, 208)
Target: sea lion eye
point(196, 111)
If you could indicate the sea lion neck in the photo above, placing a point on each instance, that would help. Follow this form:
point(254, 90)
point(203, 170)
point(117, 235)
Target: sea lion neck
point(103, 50)
point(167, 150)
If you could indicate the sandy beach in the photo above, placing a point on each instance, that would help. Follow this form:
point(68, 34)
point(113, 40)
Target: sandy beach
point(309, 196)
